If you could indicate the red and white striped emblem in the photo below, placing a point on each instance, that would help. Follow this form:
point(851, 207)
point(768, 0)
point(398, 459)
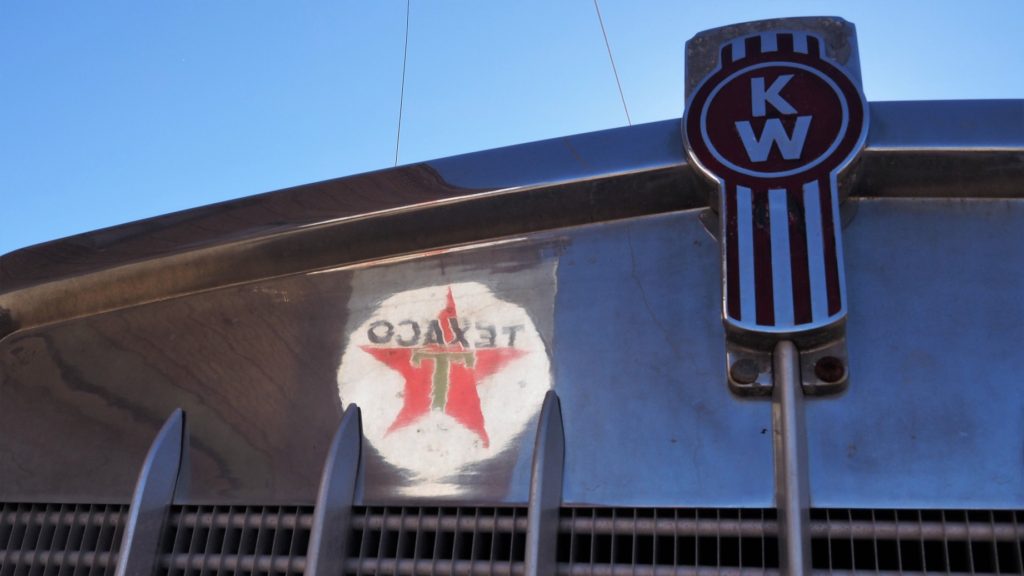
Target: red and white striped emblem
point(774, 124)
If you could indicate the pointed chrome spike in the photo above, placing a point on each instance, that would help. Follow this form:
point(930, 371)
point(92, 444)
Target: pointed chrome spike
point(333, 513)
point(152, 499)
point(545, 489)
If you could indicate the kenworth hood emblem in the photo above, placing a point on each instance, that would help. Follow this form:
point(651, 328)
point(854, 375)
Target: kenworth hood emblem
point(773, 125)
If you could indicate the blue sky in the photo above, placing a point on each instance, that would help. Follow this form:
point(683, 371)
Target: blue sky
point(112, 111)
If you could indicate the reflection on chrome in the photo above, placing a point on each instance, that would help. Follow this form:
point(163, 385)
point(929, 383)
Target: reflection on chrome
point(447, 377)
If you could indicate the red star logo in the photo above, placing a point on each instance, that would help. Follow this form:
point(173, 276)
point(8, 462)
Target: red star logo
point(442, 373)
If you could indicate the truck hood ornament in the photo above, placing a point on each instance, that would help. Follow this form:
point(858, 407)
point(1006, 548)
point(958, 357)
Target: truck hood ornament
point(774, 124)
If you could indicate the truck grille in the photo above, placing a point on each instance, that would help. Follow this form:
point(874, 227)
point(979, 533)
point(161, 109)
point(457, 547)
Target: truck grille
point(437, 541)
point(60, 538)
point(235, 540)
point(650, 541)
point(250, 540)
point(921, 541)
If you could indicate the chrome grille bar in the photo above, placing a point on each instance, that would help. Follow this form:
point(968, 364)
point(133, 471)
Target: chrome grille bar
point(219, 563)
point(670, 526)
point(429, 567)
point(545, 489)
point(444, 521)
point(152, 499)
point(332, 516)
point(634, 570)
point(228, 517)
point(54, 559)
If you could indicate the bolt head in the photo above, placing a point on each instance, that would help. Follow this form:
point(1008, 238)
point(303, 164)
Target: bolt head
point(744, 371)
point(829, 369)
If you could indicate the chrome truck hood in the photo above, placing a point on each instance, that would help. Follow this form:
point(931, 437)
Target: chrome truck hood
point(581, 265)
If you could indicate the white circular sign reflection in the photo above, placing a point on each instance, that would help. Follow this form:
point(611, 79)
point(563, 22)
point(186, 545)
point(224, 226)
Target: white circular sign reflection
point(446, 377)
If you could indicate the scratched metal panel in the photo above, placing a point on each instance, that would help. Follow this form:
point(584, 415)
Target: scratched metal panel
point(619, 318)
point(934, 416)
point(640, 372)
point(626, 314)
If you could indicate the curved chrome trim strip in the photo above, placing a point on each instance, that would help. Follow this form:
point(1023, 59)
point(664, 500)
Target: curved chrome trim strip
point(332, 517)
point(151, 501)
point(545, 490)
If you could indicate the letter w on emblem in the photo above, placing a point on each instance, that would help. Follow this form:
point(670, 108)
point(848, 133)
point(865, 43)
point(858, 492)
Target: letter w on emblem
point(759, 147)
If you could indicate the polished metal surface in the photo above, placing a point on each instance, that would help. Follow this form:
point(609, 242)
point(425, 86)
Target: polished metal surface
point(792, 496)
point(936, 418)
point(623, 311)
point(332, 516)
point(546, 481)
point(151, 502)
point(637, 367)
point(258, 369)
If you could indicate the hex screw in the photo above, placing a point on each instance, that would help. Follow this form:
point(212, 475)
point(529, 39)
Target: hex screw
point(744, 371)
point(829, 369)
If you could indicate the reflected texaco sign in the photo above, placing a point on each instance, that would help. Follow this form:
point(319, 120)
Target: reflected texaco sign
point(773, 125)
point(446, 376)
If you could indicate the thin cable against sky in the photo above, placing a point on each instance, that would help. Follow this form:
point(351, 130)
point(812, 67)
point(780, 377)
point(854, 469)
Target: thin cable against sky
point(612, 59)
point(401, 94)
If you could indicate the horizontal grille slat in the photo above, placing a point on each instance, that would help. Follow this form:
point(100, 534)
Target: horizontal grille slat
point(447, 521)
point(429, 567)
point(670, 526)
point(56, 558)
point(851, 529)
point(60, 538)
point(859, 529)
point(223, 519)
point(634, 570)
point(248, 563)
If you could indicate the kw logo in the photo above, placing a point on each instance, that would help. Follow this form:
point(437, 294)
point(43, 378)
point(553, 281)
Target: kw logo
point(758, 147)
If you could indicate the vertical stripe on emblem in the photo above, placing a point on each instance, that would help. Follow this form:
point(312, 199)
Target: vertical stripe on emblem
point(738, 49)
point(744, 271)
point(763, 286)
point(829, 228)
point(768, 42)
point(732, 257)
point(800, 42)
point(838, 238)
point(815, 252)
point(798, 253)
point(782, 272)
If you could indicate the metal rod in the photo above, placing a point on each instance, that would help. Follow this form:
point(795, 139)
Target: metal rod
point(332, 517)
point(151, 501)
point(545, 490)
point(790, 450)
